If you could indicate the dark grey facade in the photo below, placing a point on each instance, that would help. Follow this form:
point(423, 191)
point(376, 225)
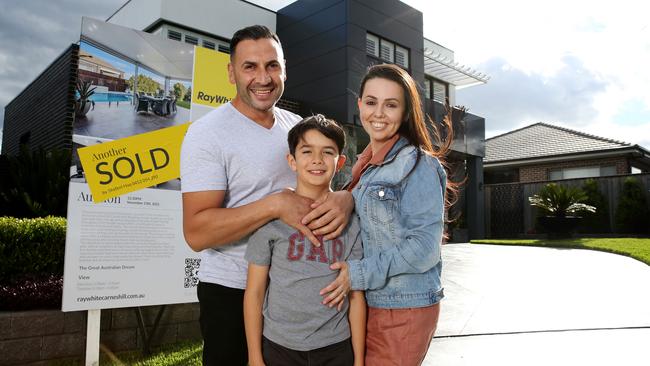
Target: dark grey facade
point(42, 114)
point(325, 48)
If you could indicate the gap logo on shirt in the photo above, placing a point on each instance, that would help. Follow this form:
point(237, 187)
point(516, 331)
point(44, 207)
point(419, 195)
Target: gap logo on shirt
point(329, 252)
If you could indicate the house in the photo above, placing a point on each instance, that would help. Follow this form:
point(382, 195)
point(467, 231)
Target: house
point(543, 152)
point(328, 45)
point(100, 72)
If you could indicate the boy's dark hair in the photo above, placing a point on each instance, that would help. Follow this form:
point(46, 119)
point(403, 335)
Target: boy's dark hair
point(253, 32)
point(318, 122)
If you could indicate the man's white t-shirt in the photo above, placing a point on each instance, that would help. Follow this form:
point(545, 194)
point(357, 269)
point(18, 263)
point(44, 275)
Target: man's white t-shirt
point(226, 151)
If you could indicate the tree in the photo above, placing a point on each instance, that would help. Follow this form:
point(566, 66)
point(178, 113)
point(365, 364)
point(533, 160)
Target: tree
point(180, 90)
point(188, 95)
point(632, 213)
point(595, 222)
point(145, 84)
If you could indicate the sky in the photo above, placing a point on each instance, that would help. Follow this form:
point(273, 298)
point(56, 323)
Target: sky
point(583, 65)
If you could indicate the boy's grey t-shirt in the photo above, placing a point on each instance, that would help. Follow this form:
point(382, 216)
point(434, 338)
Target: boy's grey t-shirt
point(294, 316)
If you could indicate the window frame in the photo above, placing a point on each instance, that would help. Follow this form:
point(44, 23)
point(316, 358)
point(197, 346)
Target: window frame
point(432, 88)
point(193, 38)
point(175, 32)
point(392, 46)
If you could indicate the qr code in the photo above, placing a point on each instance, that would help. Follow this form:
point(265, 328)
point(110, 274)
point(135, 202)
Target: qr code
point(192, 272)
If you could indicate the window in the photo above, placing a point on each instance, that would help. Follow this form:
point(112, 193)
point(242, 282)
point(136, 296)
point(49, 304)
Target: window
point(208, 44)
point(583, 172)
point(439, 92)
point(224, 49)
point(427, 88)
point(555, 174)
point(372, 45)
point(171, 34)
point(402, 57)
point(436, 90)
point(387, 51)
point(191, 40)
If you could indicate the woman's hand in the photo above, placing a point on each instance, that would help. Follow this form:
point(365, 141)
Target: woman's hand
point(336, 291)
point(330, 214)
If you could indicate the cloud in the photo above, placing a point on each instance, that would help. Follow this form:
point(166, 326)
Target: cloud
point(514, 98)
point(35, 32)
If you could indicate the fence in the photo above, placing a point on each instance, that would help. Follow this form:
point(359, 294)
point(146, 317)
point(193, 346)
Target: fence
point(509, 214)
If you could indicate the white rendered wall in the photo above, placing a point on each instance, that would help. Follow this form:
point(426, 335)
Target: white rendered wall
point(221, 18)
point(137, 14)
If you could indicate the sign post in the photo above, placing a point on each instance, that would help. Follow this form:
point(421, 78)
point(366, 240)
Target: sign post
point(93, 326)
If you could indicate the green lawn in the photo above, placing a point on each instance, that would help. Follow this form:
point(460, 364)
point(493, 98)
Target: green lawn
point(631, 247)
point(182, 103)
point(185, 353)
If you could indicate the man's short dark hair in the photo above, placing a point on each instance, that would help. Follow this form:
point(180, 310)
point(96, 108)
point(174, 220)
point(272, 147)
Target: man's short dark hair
point(328, 127)
point(254, 32)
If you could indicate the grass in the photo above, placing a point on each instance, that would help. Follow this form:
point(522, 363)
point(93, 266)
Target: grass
point(637, 248)
point(183, 353)
point(182, 103)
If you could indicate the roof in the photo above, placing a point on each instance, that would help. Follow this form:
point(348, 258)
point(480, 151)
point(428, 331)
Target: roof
point(439, 63)
point(161, 55)
point(87, 57)
point(542, 140)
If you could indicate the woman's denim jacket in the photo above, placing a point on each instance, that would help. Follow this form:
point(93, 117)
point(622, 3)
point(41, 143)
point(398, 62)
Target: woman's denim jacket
point(401, 210)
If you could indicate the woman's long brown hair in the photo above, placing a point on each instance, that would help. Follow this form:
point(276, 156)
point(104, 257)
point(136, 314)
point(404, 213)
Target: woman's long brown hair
point(415, 126)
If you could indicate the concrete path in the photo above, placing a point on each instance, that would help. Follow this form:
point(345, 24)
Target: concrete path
point(509, 305)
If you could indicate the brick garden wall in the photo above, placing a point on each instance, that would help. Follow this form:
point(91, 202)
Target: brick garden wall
point(537, 173)
point(42, 336)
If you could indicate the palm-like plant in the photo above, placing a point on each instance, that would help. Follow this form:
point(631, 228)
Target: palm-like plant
point(85, 91)
point(561, 201)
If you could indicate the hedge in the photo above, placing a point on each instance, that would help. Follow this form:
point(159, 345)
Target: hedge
point(31, 247)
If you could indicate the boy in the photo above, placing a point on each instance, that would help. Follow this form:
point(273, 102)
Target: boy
point(286, 323)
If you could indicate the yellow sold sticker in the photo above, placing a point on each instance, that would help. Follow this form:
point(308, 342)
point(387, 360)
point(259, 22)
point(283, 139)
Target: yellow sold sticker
point(132, 163)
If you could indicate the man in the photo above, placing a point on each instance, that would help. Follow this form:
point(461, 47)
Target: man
point(233, 175)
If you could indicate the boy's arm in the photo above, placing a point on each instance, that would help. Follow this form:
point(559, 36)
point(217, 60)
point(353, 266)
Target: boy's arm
point(357, 318)
point(253, 320)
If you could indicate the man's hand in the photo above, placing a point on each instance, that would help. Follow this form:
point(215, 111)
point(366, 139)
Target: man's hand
point(336, 291)
point(290, 208)
point(330, 214)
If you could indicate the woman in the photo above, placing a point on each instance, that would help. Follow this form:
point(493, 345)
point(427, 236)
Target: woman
point(399, 185)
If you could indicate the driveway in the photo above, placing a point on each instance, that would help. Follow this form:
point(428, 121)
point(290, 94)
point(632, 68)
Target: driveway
point(511, 305)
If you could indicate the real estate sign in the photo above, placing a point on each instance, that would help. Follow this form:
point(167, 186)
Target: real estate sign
point(210, 89)
point(126, 251)
point(124, 243)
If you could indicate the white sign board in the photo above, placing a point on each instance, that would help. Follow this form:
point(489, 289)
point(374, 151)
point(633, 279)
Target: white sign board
point(127, 251)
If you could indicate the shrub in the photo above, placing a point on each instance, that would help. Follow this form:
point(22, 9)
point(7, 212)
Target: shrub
point(35, 184)
point(32, 292)
point(31, 247)
point(560, 201)
point(632, 213)
point(595, 222)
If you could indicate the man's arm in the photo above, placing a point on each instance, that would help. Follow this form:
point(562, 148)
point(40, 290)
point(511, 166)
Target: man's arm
point(253, 320)
point(357, 318)
point(207, 224)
